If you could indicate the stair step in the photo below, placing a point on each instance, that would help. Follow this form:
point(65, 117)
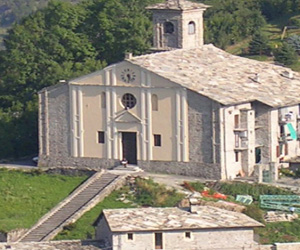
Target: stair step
point(70, 208)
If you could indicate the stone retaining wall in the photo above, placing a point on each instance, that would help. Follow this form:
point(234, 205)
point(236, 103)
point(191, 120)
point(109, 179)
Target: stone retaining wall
point(98, 245)
point(55, 245)
point(202, 170)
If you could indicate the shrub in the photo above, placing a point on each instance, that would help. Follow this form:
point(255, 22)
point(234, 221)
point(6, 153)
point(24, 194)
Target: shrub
point(255, 190)
point(286, 54)
point(287, 172)
point(150, 193)
point(197, 186)
point(255, 213)
point(294, 41)
point(259, 45)
point(294, 21)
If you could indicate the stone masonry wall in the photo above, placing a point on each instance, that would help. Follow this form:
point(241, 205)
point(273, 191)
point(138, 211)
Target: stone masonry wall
point(197, 169)
point(59, 135)
point(79, 162)
point(203, 128)
point(262, 133)
point(204, 141)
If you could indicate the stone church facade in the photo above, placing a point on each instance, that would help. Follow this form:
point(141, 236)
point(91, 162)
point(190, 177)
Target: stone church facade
point(190, 109)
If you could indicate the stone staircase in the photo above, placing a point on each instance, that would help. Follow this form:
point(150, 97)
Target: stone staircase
point(86, 196)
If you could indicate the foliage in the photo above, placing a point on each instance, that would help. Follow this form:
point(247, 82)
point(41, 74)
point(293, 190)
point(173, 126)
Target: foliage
point(286, 55)
point(197, 186)
point(294, 41)
point(26, 196)
point(275, 8)
point(117, 26)
point(255, 190)
point(225, 21)
point(286, 172)
point(149, 193)
point(255, 213)
point(13, 10)
point(61, 41)
point(295, 21)
point(259, 44)
point(279, 232)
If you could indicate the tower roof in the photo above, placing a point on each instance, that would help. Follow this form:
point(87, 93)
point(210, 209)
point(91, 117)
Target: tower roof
point(178, 5)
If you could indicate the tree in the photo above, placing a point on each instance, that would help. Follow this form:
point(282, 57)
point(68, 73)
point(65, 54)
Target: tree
point(118, 26)
point(60, 42)
point(229, 21)
point(286, 55)
point(294, 41)
point(43, 48)
point(259, 45)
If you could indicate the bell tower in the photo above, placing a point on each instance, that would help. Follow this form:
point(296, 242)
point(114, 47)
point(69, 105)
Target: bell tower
point(177, 24)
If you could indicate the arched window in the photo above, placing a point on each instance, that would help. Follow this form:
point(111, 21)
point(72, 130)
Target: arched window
point(169, 28)
point(103, 100)
point(154, 103)
point(192, 28)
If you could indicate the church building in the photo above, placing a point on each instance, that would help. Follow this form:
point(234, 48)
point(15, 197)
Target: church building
point(188, 108)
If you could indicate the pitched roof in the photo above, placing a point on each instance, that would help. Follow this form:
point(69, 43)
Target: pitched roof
point(223, 77)
point(177, 5)
point(152, 219)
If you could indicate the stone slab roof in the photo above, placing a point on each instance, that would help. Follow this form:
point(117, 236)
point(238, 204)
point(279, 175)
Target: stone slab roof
point(152, 219)
point(223, 77)
point(177, 5)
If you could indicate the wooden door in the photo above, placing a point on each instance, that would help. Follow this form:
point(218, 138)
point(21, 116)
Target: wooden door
point(129, 147)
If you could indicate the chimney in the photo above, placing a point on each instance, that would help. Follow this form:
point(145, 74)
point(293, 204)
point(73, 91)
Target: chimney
point(179, 2)
point(288, 74)
point(256, 78)
point(128, 55)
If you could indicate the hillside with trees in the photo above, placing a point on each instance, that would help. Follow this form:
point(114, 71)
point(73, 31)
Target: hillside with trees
point(67, 39)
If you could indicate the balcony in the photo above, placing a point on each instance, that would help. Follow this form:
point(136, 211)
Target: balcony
point(286, 118)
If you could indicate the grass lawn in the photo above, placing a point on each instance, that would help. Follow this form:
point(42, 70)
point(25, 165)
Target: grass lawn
point(27, 196)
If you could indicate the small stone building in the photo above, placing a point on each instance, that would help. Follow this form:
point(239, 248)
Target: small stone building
point(172, 228)
point(192, 109)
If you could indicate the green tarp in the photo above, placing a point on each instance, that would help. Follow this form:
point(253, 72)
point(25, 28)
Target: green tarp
point(292, 131)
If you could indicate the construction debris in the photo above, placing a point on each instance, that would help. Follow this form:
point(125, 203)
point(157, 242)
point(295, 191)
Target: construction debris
point(273, 216)
point(246, 199)
point(280, 202)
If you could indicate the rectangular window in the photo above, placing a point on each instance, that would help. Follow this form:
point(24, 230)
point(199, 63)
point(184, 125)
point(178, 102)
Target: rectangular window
point(237, 140)
point(278, 151)
point(130, 236)
point(286, 149)
point(236, 121)
point(158, 241)
point(157, 140)
point(188, 235)
point(237, 158)
point(282, 132)
point(101, 137)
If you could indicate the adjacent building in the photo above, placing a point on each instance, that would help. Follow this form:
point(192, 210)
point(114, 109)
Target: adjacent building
point(188, 108)
point(173, 228)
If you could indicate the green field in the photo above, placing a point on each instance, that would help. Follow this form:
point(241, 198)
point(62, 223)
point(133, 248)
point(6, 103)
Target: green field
point(27, 196)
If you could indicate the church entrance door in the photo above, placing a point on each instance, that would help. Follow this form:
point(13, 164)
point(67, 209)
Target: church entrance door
point(129, 147)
